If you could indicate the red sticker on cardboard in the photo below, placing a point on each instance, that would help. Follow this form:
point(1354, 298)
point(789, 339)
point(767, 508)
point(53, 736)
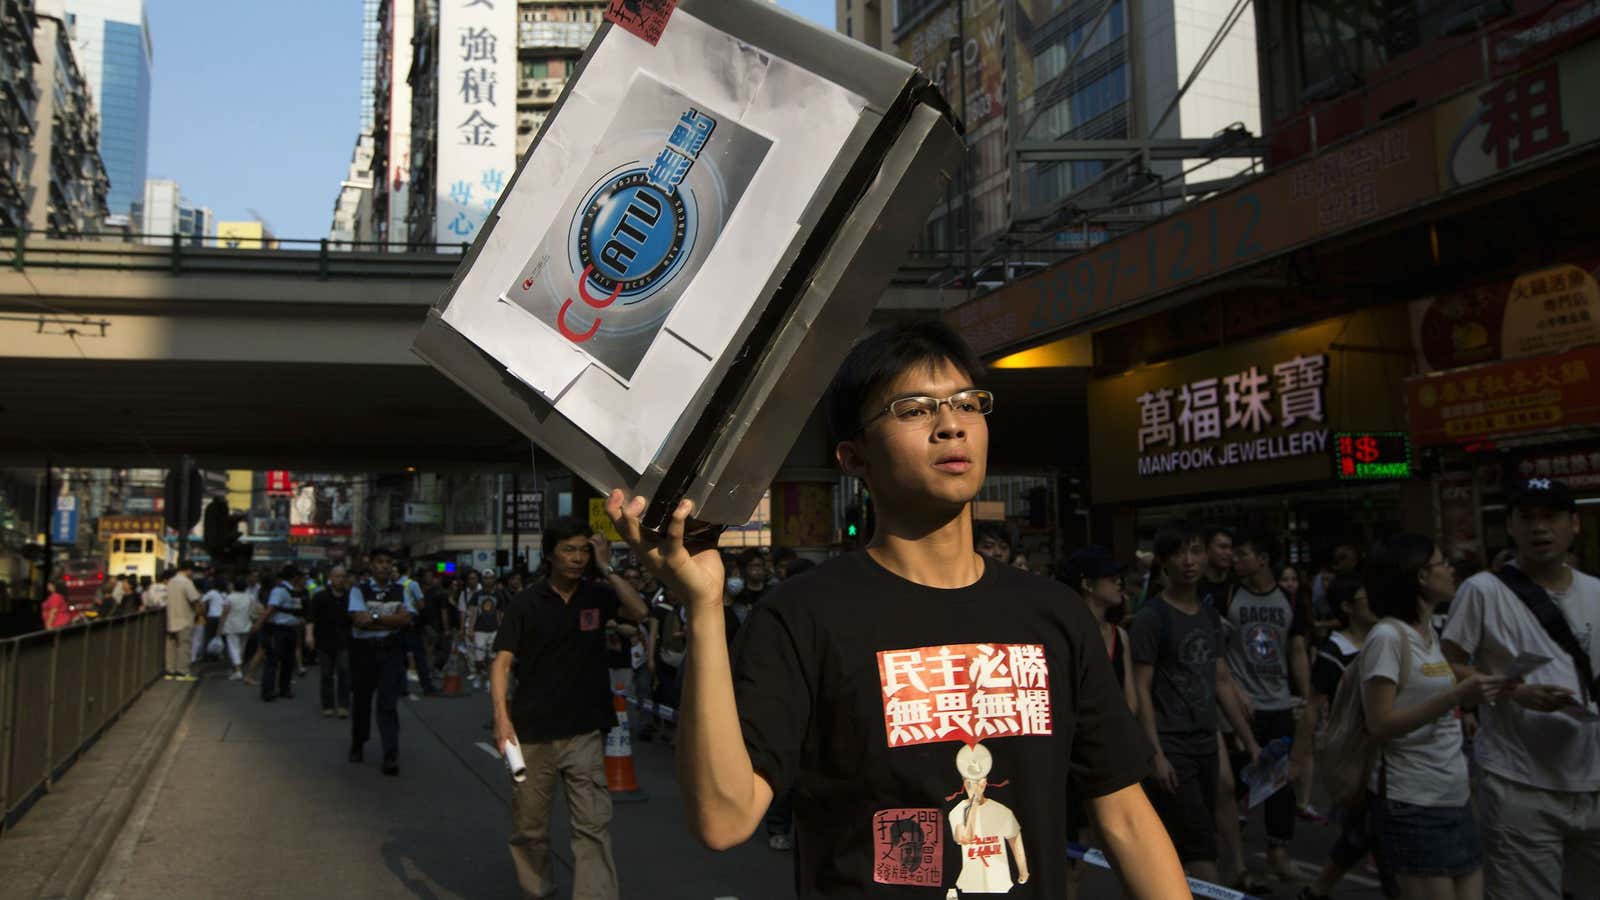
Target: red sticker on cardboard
point(588, 620)
point(909, 845)
point(644, 18)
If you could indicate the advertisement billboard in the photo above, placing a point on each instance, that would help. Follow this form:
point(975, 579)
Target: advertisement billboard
point(477, 131)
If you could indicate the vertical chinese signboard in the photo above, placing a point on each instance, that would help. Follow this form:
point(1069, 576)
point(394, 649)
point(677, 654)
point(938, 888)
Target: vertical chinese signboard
point(1246, 416)
point(401, 18)
point(477, 130)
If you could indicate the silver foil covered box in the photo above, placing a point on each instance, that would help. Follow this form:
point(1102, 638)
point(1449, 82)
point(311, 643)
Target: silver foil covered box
point(691, 246)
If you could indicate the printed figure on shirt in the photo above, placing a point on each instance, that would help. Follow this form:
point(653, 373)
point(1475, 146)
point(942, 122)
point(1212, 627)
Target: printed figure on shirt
point(984, 828)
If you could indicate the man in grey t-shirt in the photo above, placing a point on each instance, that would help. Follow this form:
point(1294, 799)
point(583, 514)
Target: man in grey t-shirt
point(1266, 654)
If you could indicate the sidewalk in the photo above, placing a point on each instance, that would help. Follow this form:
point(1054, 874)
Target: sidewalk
point(257, 800)
point(55, 849)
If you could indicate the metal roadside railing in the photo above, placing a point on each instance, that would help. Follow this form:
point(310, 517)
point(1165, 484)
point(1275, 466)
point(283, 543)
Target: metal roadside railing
point(60, 690)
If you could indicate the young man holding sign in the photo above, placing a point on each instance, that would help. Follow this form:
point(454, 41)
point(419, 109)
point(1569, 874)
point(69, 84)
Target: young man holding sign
point(930, 708)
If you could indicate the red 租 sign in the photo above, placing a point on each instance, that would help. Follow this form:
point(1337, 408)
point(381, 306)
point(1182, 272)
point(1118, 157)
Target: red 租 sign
point(643, 18)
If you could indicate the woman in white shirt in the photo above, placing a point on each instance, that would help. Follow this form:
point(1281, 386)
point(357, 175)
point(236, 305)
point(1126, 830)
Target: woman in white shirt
point(1427, 838)
point(236, 622)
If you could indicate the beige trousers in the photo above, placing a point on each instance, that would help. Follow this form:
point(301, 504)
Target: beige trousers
point(178, 650)
point(580, 762)
point(1531, 837)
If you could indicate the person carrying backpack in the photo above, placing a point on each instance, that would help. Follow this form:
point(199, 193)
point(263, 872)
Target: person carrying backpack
point(1426, 836)
point(1539, 752)
point(1347, 600)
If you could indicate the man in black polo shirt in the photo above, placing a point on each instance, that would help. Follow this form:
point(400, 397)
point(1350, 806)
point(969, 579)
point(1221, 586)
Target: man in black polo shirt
point(554, 633)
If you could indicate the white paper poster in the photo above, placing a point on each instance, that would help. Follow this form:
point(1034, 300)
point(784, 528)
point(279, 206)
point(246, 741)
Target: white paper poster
point(644, 216)
point(477, 131)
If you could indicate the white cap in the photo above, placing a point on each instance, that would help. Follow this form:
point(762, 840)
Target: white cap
point(974, 762)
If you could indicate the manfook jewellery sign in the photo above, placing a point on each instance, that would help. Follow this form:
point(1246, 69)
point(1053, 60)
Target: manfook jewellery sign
point(1244, 416)
point(1240, 410)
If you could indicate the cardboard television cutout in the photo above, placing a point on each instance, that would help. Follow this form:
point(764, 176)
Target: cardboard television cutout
point(691, 246)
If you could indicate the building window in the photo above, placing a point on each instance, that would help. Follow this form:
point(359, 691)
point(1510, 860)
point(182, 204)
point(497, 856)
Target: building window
point(533, 71)
point(849, 27)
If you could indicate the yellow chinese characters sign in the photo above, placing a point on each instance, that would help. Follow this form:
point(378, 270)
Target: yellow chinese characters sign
point(1510, 398)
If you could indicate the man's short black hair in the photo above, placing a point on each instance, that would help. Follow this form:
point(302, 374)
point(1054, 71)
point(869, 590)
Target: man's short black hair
point(1212, 531)
point(564, 529)
point(749, 556)
point(1258, 540)
point(1175, 537)
point(380, 551)
point(885, 355)
point(990, 531)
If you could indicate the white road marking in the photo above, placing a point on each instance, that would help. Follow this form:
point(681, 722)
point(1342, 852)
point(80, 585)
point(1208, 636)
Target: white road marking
point(489, 750)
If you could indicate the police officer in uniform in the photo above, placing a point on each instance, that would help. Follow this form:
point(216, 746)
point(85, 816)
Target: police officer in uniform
point(379, 613)
point(283, 622)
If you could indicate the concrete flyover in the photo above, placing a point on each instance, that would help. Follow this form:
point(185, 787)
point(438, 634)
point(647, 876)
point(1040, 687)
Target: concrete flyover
point(122, 353)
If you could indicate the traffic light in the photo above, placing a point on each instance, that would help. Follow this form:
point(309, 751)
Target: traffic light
point(175, 496)
point(853, 522)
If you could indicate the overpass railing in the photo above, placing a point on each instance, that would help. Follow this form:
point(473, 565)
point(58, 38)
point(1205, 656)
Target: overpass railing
point(60, 690)
point(321, 258)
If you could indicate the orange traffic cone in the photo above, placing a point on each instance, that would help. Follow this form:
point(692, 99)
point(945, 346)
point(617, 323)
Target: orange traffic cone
point(620, 777)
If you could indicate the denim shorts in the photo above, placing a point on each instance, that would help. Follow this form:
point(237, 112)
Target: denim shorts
point(1425, 841)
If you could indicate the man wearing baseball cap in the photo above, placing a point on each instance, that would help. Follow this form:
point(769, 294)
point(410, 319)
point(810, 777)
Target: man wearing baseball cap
point(1540, 748)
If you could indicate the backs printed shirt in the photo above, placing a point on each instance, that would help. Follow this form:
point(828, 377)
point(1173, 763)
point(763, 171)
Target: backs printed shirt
point(887, 706)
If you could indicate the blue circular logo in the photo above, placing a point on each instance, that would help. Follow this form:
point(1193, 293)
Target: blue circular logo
point(632, 236)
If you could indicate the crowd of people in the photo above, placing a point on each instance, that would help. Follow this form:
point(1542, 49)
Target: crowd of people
point(1481, 776)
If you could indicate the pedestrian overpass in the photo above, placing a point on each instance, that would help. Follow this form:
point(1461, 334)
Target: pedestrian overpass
point(121, 353)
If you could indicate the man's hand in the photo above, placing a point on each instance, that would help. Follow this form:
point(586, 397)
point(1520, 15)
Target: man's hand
point(503, 732)
point(697, 578)
point(311, 644)
point(1542, 697)
point(1165, 774)
point(602, 552)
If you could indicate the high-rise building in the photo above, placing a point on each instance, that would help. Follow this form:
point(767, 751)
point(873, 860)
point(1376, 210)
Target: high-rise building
point(369, 59)
point(18, 96)
point(165, 213)
point(111, 39)
point(551, 36)
point(391, 124)
point(1074, 113)
point(864, 20)
point(352, 212)
point(68, 184)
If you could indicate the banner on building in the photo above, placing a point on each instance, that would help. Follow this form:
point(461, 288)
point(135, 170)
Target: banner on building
point(1486, 402)
point(1545, 311)
point(477, 129)
point(321, 508)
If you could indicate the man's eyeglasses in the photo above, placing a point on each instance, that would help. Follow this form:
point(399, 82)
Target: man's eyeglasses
point(967, 405)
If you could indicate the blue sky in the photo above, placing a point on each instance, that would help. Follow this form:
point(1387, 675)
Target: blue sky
point(256, 105)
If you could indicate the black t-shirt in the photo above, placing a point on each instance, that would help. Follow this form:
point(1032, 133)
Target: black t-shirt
point(1216, 594)
point(330, 619)
point(563, 686)
point(875, 698)
point(1333, 656)
point(1183, 649)
point(435, 602)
